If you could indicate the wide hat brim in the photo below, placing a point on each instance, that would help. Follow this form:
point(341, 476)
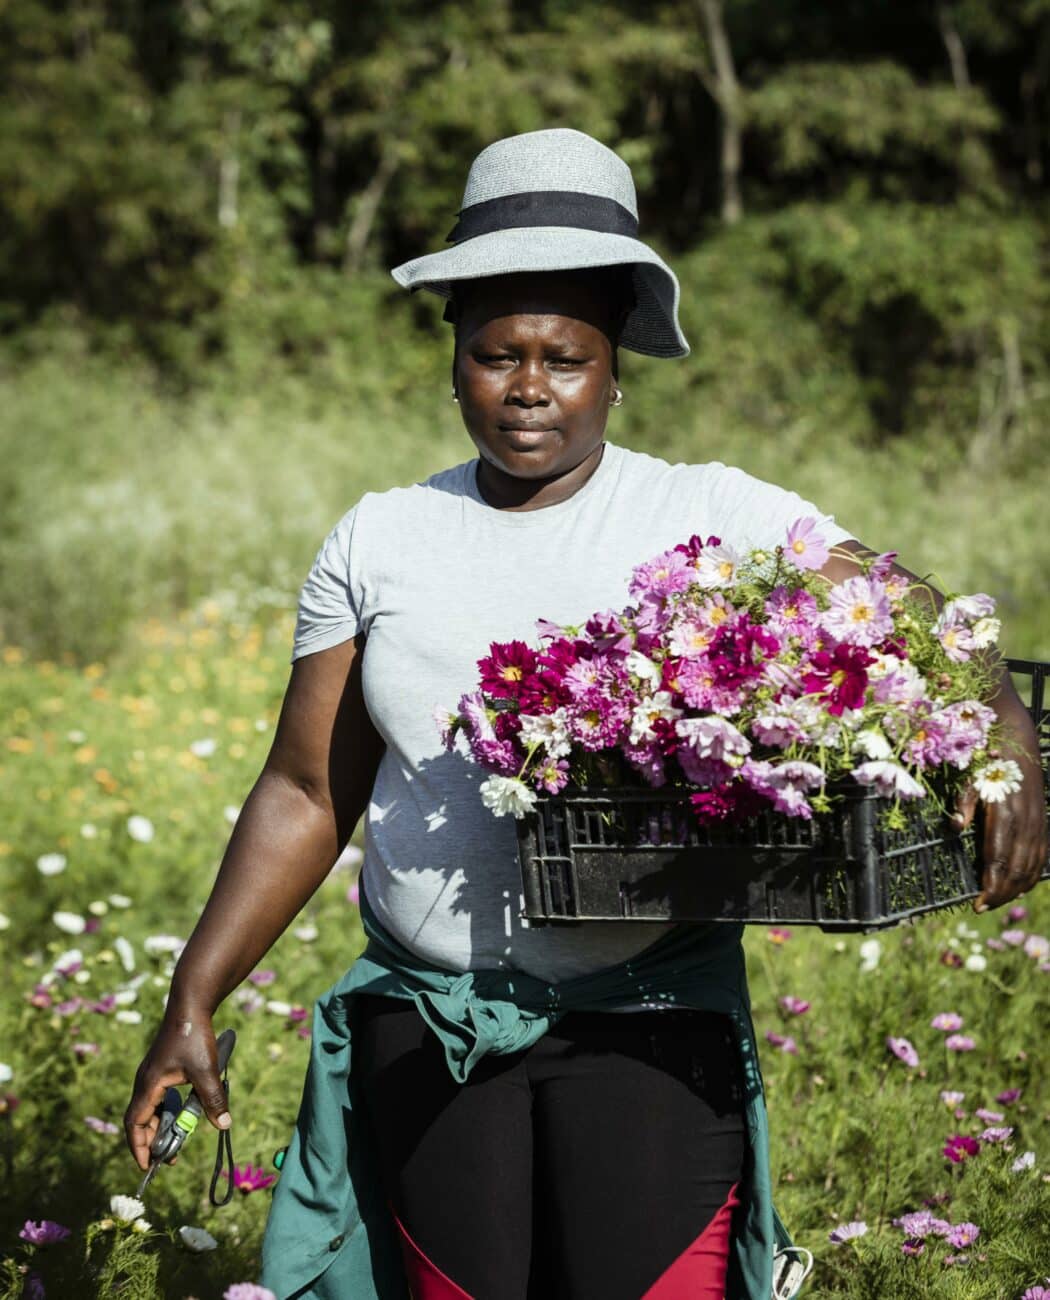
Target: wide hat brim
point(652, 327)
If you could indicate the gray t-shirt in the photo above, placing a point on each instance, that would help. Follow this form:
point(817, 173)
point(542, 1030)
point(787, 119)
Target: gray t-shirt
point(432, 575)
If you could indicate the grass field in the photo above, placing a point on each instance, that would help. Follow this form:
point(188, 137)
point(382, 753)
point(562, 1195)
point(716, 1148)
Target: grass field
point(150, 548)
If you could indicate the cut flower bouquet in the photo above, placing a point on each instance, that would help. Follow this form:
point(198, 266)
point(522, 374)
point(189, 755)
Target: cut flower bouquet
point(750, 681)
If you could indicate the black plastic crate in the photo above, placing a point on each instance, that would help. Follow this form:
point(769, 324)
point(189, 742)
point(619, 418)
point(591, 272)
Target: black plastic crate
point(639, 854)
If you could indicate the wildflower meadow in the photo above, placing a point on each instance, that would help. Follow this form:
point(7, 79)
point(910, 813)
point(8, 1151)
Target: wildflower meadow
point(906, 1070)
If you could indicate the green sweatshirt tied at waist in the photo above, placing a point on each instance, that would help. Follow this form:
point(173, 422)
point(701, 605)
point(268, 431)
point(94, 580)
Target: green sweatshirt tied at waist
point(330, 1235)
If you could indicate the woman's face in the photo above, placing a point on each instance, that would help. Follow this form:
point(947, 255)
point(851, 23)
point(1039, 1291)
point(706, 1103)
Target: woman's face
point(533, 373)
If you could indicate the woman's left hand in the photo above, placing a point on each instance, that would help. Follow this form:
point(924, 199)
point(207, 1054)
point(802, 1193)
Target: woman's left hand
point(1014, 847)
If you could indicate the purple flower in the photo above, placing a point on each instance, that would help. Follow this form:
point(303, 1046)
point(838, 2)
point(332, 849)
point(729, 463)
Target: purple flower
point(44, 1233)
point(858, 612)
point(784, 1042)
point(665, 576)
point(913, 1246)
point(1013, 937)
point(989, 1116)
point(997, 1133)
point(948, 1020)
point(903, 1051)
point(353, 894)
point(260, 978)
point(796, 1006)
point(1008, 1095)
point(959, 1043)
point(847, 1231)
point(1037, 1293)
point(97, 1125)
point(806, 549)
point(960, 1147)
point(248, 1291)
point(916, 1224)
point(1017, 913)
point(963, 1234)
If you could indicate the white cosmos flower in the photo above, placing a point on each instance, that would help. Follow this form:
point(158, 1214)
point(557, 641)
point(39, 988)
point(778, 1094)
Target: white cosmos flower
point(97, 907)
point(128, 1017)
point(972, 607)
point(872, 743)
point(306, 933)
point(89, 831)
point(125, 997)
point(643, 667)
point(5, 921)
point(870, 952)
point(155, 944)
point(976, 961)
point(996, 780)
point(506, 794)
point(196, 1239)
point(713, 737)
point(119, 900)
point(278, 1008)
point(140, 828)
point(6, 1073)
point(205, 747)
point(231, 812)
point(716, 566)
point(69, 922)
point(50, 864)
point(547, 729)
point(82, 977)
point(125, 952)
point(888, 779)
point(126, 1209)
point(141, 1225)
point(648, 712)
point(986, 632)
point(1024, 1161)
point(67, 962)
point(76, 737)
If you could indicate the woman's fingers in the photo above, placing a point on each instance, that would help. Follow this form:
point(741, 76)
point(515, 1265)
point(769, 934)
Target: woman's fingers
point(965, 808)
point(140, 1119)
point(1014, 850)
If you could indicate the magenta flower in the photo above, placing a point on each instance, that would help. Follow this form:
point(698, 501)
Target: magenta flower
point(784, 1042)
point(806, 548)
point(1017, 912)
point(249, 1178)
point(44, 1233)
point(913, 1246)
point(778, 934)
point(922, 1223)
point(840, 678)
point(796, 1006)
point(903, 1051)
point(948, 1020)
point(506, 668)
point(847, 1231)
point(1008, 1095)
point(963, 1234)
point(960, 1147)
point(959, 1043)
point(552, 776)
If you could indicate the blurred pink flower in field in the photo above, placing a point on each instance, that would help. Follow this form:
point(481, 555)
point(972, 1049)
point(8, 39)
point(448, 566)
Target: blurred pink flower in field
point(1017, 913)
point(960, 1147)
point(1037, 946)
point(97, 1125)
point(996, 944)
point(249, 1178)
point(796, 1006)
point(952, 1098)
point(963, 1234)
point(1013, 937)
point(847, 1231)
point(947, 1020)
point(903, 1051)
point(913, 1246)
point(1036, 1293)
point(82, 1050)
point(1024, 1161)
point(997, 1133)
point(959, 1043)
point(260, 978)
point(1008, 1095)
point(989, 1116)
point(248, 1291)
point(44, 1233)
point(784, 1042)
point(353, 894)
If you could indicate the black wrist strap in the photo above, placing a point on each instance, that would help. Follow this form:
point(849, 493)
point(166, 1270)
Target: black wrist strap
point(223, 1155)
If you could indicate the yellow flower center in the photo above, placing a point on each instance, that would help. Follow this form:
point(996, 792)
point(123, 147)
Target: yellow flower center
point(725, 569)
point(798, 545)
point(718, 616)
point(838, 676)
point(862, 613)
point(791, 611)
point(513, 673)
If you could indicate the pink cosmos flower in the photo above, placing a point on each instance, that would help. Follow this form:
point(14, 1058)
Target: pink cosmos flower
point(792, 614)
point(997, 1133)
point(712, 737)
point(250, 1178)
point(1037, 946)
point(903, 1051)
point(960, 1147)
point(889, 780)
point(795, 1006)
point(847, 1231)
point(44, 1233)
point(248, 1291)
point(858, 612)
point(1017, 913)
point(806, 548)
point(97, 1125)
point(663, 577)
point(261, 978)
point(922, 1223)
point(963, 1234)
point(989, 1116)
point(552, 776)
point(1013, 937)
point(947, 1020)
point(959, 1043)
point(783, 1041)
point(839, 677)
point(956, 638)
point(995, 944)
point(952, 1098)
point(778, 934)
point(882, 565)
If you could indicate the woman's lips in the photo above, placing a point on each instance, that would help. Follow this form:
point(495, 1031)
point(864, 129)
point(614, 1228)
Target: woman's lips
point(526, 435)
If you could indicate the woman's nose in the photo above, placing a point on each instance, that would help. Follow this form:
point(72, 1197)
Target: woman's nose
point(529, 386)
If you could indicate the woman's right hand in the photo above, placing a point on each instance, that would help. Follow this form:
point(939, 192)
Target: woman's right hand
point(182, 1052)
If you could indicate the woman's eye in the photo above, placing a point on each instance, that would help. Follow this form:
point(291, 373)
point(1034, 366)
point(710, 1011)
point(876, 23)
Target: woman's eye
point(567, 361)
point(493, 358)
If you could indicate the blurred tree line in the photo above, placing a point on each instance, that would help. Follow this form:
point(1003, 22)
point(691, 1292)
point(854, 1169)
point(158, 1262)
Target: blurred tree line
point(854, 193)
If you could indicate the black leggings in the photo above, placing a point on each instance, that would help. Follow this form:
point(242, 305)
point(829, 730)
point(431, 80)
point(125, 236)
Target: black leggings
point(579, 1168)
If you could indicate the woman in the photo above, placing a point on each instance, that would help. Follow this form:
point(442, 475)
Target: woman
point(551, 1112)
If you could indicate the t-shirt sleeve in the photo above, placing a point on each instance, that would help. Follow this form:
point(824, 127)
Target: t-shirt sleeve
point(331, 599)
point(748, 512)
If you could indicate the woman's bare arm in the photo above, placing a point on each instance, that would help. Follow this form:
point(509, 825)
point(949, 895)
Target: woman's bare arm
point(300, 813)
point(1014, 846)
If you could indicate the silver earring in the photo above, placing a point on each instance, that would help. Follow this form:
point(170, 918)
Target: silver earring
point(618, 399)
point(455, 395)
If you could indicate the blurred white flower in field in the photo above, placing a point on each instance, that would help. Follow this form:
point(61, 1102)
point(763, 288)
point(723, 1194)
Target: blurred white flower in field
point(69, 922)
point(350, 859)
point(306, 933)
point(128, 1017)
point(140, 828)
point(274, 1051)
point(196, 1239)
point(155, 944)
point(89, 831)
point(870, 952)
point(125, 952)
point(50, 864)
point(119, 900)
point(6, 1073)
point(126, 1209)
point(82, 977)
point(125, 997)
point(279, 1008)
point(98, 907)
point(5, 922)
point(141, 1225)
point(967, 931)
point(231, 812)
point(76, 737)
point(1023, 1162)
point(205, 747)
point(66, 963)
point(261, 724)
point(1037, 946)
point(976, 961)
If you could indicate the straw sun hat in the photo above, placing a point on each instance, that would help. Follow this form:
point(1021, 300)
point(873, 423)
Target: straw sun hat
point(555, 200)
